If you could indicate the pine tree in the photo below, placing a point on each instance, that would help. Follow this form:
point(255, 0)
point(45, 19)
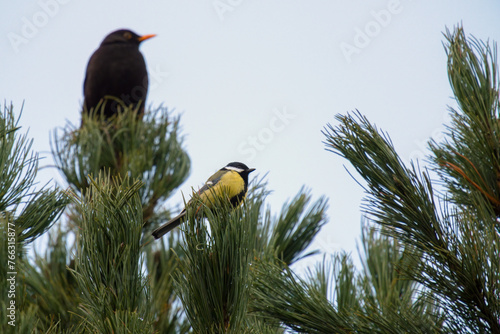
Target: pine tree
point(26, 213)
point(121, 172)
point(429, 249)
point(103, 273)
point(432, 264)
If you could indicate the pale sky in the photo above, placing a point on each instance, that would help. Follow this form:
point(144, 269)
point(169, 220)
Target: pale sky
point(255, 81)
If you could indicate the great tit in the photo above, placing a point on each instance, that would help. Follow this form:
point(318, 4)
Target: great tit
point(230, 181)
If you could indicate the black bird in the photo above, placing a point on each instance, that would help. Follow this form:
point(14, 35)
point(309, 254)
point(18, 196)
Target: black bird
point(117, 72)
point(230, 181)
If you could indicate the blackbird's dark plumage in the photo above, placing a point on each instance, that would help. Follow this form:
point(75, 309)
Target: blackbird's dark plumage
point(117, 70)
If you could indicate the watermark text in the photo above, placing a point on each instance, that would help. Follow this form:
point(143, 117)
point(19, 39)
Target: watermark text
point(11, 274)
point(31, 26)
point(258, 142)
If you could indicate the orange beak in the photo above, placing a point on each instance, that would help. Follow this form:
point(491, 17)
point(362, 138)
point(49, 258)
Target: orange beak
point(145, 37)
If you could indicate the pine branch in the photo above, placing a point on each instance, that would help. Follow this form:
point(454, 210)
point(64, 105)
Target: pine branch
point(25, 214)
point(282, 240)
point(469, 160)
point(295, 229)
point(18, 165)
point(287, 236)
point(149, 150)
point(52, 287)
point(379, 300)
point(162, 262)
point(279, 295)
point(396, 194)
point(458, 275)
point(40, 213)
point(213, 274)
point(391, 300)
point(108, 268)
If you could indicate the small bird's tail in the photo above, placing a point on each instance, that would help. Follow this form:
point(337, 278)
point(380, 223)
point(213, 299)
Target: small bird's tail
point(168, 226)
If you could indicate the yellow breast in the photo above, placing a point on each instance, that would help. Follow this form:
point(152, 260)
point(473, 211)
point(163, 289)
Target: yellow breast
point(230, 186)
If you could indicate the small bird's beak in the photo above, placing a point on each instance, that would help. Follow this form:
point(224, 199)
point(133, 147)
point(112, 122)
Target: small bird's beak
point(249, 170)
point(145, 37)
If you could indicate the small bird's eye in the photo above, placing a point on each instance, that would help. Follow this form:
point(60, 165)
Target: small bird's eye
point(127, 35)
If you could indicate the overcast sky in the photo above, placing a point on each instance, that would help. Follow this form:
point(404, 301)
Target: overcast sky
point(254, 81)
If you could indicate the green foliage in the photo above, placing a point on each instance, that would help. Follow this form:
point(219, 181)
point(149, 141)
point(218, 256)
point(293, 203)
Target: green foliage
point(286, 237)
point(280, 295)
point(400, 200)
point(24, 216)
point(431, 267)
point(294, 230)
point(43, 209)
point(52, 287)
point(469, 160)
point(102, 287)
point(213, 276)
point(108, 267)
point(149, 150)
point(162, 262)
point(17, 163)
point(391, 301)
point(397, 196)
point(458, 245)
point(218, 260)
point(335, 298)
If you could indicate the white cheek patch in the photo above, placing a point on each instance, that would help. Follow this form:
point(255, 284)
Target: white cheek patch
point(236, 169)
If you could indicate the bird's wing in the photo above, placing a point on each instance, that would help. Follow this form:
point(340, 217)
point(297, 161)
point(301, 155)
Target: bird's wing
point(212, 181)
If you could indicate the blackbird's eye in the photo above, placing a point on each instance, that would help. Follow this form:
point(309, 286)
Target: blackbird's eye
point(127, 35)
